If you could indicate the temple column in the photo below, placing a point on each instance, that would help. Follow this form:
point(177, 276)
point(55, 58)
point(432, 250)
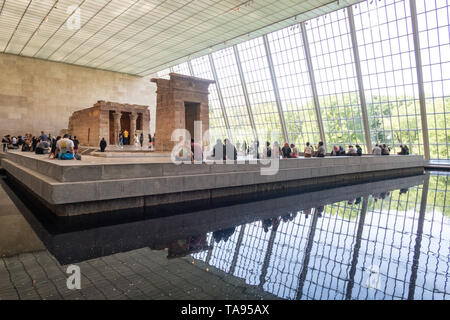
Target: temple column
point(117, 115)
point(133, 118)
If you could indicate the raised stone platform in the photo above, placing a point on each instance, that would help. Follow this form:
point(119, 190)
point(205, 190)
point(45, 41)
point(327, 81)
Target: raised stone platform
point(101, 184)
point(104, 238)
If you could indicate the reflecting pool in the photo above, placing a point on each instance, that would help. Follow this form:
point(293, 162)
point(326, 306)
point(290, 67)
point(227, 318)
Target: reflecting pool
point(381, 240)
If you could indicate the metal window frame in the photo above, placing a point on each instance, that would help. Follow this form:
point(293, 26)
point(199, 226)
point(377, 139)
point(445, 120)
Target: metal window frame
point(423, 110)
point(312, 80)
point(219, 95)
point(275, 87)
point(245, 92)
point(357, 62)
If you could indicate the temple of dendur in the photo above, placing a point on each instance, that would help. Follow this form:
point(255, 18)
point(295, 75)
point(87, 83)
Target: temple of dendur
point(96, 185)
point(106, 119)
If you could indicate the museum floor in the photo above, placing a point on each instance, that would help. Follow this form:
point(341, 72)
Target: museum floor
point(377, 240)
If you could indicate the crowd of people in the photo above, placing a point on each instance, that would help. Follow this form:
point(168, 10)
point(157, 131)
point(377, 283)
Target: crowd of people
point(124, 139)
point(63, 148)
point(67, 147)
point(227, 151)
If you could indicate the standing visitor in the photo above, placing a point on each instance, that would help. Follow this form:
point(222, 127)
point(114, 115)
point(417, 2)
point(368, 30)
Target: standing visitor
point(218, 151)
point(121, 139)
point(267, 151)
point(230, 150)
point(276, 152)
point(196, 151)
point(53, 154)
point(136, 141)
point(149, 140)
point(126, 138)
point(141, 139)
point(103, 145)
point(76, 143)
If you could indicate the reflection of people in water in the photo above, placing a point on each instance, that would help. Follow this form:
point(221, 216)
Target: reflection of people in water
point(404, 190)
point(358, 201)
point(266, 223)
point(183, 247)
point(319, 211)
point(274, 223)
point(223, 234)
point(307, 212)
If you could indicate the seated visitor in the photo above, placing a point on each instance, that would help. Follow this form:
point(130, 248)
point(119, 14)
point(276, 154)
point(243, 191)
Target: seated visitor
point(196, 151)
point(53, 153)
point(184, 153)
point(385, 150)
point(341, 151)
point(26, 146)
point(103, 145)
point(376, 150)
point(358, 150)
point(294, 151)
point(286, 151)
point(406, 149)
point(335, 151)
point(64, 148)
point(43, 147)
point(351, 151)
point(308, 152)
point(321, 150)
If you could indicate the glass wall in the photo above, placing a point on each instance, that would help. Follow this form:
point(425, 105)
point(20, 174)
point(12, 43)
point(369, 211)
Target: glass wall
point(434, 32)
point(280, 84)
point(334, 70)
point(388, 64)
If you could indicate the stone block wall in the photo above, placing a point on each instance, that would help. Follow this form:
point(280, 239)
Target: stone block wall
point(40, 95)
point(170, 107)
point(85, 125)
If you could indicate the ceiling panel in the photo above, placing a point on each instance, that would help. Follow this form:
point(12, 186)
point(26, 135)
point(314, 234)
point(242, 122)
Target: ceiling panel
point(142, 36)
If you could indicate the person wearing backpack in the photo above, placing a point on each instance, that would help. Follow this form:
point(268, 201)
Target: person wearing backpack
point(64, 148)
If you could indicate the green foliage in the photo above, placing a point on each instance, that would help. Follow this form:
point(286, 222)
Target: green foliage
point(392, 120)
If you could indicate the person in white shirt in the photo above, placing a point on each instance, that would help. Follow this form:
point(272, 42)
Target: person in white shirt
point(351, 150)
point(64, 148)
point(308, 151)
point(377, 150)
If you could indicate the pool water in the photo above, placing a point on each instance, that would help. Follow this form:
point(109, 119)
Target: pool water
point(381, 240)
